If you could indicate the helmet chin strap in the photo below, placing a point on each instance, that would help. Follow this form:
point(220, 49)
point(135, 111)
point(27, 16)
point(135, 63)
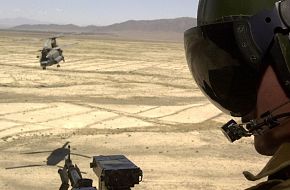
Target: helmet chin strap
point(267, 121)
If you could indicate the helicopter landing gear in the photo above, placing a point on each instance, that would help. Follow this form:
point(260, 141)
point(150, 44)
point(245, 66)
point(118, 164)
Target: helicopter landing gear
point(58, 65)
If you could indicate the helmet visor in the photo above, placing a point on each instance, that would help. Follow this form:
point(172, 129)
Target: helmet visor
point(219, 69)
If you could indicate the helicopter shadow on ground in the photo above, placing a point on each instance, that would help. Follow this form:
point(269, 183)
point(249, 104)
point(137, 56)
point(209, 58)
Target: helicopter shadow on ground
point(55, 157)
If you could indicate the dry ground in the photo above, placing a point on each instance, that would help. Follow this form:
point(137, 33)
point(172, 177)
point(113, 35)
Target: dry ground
point(112, 97)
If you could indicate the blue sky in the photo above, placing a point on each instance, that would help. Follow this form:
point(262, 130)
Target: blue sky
point(96, 12)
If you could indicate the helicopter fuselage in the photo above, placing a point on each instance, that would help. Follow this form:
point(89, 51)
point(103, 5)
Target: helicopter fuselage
point(51, 56)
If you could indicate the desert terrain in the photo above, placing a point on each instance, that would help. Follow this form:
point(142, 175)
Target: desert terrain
point(135, 98)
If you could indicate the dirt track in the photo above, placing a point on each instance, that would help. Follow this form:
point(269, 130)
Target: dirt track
point(113, 97)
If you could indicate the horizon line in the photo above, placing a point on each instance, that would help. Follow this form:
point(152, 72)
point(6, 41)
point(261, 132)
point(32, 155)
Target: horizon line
point(79, 25)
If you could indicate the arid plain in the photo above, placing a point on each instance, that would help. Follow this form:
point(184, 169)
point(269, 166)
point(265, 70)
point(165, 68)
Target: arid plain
point(135, 98)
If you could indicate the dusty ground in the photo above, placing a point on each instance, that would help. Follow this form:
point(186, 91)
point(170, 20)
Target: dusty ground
point(112, 97)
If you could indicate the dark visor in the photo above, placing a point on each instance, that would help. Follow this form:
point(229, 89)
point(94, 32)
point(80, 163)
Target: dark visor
point(219, 68)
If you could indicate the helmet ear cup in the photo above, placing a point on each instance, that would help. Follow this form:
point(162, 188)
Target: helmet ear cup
point(284, 11)
point(280, 53)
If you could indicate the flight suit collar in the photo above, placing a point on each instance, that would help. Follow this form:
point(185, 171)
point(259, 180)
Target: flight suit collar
point(279, 162)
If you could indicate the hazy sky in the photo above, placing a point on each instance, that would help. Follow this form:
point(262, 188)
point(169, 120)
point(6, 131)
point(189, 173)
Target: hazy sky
point(97, 12)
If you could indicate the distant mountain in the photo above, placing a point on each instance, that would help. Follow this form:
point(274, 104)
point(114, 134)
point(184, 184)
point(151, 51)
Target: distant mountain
point(162, 29)
point(161, 25)
point(49, 28)
point(11, 22)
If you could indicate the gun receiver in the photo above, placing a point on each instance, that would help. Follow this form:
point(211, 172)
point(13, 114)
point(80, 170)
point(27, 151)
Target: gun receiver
point(116, 172)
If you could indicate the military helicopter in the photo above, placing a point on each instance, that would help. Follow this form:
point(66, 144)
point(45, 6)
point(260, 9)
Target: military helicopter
point(51, 53)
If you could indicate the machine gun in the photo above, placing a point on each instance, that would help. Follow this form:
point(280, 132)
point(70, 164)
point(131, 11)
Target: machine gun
point(115, 172)
point(71, 173)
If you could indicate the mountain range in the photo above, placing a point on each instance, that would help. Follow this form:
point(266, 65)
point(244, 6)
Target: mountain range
point(161, 29)
point(11, 22)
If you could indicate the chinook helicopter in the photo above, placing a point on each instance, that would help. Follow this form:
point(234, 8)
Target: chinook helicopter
point(51, 53)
